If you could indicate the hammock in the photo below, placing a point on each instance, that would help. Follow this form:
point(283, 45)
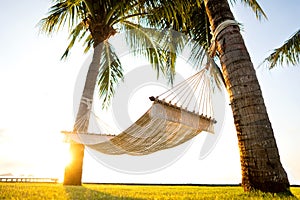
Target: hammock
point(175, 117)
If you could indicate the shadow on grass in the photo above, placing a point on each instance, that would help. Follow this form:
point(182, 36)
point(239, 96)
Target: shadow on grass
point(287, 194)
point(81, 192)
point(258, 194)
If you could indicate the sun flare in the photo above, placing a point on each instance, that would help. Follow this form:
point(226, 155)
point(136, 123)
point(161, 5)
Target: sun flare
point(36, 154)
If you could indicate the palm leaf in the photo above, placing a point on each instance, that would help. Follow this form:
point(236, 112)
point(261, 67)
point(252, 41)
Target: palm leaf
point(79, 32)
point(288, 53)
point(124, 10)
point(62, 13)
point(88, 43)
point(173, 43)
point(144, 43)
point(198, 54)
point(159, 47)
point(167, 14)
point(216, 74)
point(254, 5)
point(110, 73)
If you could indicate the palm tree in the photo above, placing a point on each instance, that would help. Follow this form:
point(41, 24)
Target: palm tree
point(95, 21)
point(260, 160)
point(289, 52)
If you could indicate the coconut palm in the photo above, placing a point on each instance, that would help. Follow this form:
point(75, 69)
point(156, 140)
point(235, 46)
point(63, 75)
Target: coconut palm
point(260, 160)
point(261, 166)
point(288, 53)
point(94, 22)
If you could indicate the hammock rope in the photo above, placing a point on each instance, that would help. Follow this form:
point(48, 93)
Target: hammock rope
point(176, 116)
point(220, 27)
point(193, 94)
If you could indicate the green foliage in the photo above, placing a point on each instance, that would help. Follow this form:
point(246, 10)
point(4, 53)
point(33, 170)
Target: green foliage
point(79, 16)
point(253, 4)
point(110, 73)
point(32, 191)
point(84, 18)
point(288, 53)
point(63, 13)
point(161, 48)
point(78, 33)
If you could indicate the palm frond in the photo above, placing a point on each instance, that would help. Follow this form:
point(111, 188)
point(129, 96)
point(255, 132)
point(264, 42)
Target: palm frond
point(110, 73)
point(288, 53)
point(62, 13)
point(143, 42)
point(254, 5)
point(173, 43)
point(216, 74)
point(123, 10)
point(79, 32)
point(200, 35)
point(167, 14)
point(187, 17)
point(199, 30)
point(159, 47)
point(198, 54)
point(88, 43)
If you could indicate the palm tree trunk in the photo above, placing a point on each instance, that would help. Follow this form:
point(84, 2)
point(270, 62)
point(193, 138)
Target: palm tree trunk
point(73, 172)
point(259, 156)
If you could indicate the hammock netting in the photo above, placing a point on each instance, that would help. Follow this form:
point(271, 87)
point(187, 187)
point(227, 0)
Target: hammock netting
point(174, 118)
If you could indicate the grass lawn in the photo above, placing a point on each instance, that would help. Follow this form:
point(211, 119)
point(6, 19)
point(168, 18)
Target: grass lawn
point(97, 191)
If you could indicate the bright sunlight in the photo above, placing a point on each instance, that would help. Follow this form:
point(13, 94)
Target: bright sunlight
point(40, 153)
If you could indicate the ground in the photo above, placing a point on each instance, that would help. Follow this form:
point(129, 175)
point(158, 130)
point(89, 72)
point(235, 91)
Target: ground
point(106, 191)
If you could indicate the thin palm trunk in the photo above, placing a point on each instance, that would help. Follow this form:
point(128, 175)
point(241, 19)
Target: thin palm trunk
point(259, 156)
point(73, 172)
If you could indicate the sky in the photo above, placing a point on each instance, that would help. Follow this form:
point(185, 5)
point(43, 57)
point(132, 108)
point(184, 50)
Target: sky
point(37, 93)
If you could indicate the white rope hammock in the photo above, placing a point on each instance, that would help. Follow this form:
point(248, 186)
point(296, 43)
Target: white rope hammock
point(175, 117)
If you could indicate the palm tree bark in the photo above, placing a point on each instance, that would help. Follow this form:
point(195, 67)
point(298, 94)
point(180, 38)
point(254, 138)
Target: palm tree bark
point(73, 172)
point(259, 156)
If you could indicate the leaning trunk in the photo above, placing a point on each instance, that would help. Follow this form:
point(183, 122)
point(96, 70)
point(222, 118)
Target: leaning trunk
point(73, 172)
point(260, 160)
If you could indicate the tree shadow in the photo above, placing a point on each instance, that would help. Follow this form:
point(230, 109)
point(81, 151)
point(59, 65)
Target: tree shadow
point(266, 195)
point(81, 192)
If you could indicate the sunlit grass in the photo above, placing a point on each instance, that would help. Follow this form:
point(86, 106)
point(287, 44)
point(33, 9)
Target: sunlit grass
point(94, 191)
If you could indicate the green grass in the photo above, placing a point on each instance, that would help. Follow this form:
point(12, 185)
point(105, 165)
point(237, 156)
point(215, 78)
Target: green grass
point(93, 191)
